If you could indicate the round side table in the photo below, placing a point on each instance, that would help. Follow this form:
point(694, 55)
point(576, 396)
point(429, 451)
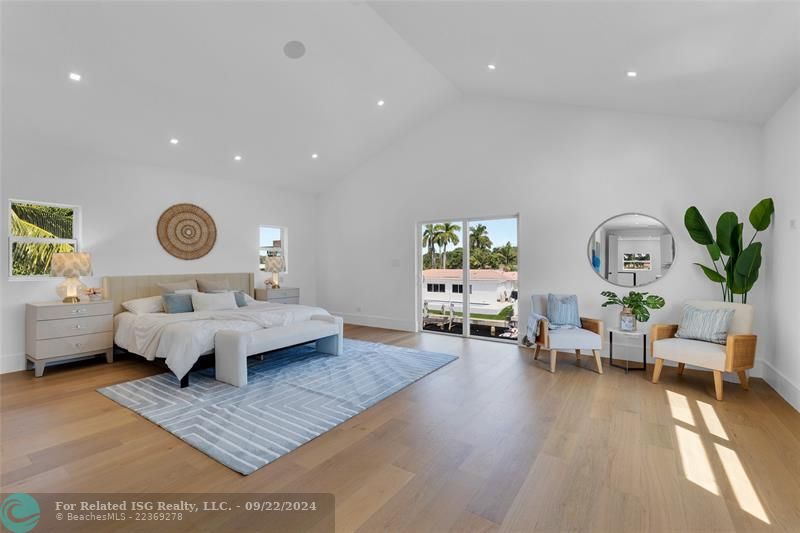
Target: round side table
point(637, 333)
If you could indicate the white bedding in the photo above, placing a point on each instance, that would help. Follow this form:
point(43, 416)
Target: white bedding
point(181, 338)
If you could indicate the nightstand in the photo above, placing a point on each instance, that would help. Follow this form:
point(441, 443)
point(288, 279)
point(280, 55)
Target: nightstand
point(56, 331)
point(284, 295)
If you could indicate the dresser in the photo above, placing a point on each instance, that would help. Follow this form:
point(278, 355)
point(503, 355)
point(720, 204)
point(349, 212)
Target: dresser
point(284, 295)
point(56, 331)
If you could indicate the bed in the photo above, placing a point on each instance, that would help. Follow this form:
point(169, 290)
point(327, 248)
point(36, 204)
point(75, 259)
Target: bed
point(180, 339)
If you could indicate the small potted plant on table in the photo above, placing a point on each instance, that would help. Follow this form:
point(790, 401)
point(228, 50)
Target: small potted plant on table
point(635, 307)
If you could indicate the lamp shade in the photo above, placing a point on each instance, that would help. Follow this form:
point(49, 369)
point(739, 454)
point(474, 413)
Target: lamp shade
point(69, 265)
point(274, 264)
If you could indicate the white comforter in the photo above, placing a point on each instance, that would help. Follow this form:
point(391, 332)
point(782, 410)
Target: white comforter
point(181, 338)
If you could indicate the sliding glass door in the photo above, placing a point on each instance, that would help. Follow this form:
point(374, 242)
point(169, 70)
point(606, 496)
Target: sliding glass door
point(468, 280)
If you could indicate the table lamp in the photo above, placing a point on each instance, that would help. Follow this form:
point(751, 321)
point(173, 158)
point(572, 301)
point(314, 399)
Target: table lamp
point(274, 265)
point(71, 266)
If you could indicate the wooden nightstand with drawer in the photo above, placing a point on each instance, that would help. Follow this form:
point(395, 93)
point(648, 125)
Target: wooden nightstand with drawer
point(284, 295)
point(56, 331)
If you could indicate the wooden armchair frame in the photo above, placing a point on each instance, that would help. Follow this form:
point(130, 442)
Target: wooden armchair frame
point(542, 341)
point(740, 355)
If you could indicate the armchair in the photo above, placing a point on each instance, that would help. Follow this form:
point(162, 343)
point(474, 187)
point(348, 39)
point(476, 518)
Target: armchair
point(736, 355)
point(588, 337)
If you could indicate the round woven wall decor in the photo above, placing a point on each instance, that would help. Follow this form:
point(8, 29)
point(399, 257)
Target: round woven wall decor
point(186, 231)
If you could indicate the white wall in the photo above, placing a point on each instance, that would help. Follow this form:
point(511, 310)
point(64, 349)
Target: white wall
point(782, 179)
point(563, 169)
point(121, 204)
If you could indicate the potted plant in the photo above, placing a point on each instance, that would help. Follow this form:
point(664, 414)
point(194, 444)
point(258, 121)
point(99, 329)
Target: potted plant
point(739, 264)
point(635, 307)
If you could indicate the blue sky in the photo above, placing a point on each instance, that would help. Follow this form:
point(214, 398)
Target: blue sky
point(268, 235)
point(500, 231)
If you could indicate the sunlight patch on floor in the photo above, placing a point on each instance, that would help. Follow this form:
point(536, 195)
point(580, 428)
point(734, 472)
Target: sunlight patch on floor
point(712, 421)
point(742, 487)
point(679, 407)
point(694, 459)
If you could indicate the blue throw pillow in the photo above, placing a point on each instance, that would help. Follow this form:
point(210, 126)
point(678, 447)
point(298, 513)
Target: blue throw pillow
point(710, 325)
point(562, 310)
point(177, 303)
point(240, 301)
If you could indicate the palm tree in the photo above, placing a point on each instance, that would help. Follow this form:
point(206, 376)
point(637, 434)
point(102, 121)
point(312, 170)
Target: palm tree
point(430, 236)
point(39, 222)
point(448, 234)
point(479, 238)
point(508, 254)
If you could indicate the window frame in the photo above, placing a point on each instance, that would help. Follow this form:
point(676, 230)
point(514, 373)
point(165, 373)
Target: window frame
point(12, 239)
point(284, 237)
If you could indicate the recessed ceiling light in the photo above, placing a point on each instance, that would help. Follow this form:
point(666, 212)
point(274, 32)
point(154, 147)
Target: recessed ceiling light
point(294, 49)
point(314, 156)
point(237, 158)
point(380, 103)
point(632, 74)
point(173, 141)
point(491, 66)
point(74, 76)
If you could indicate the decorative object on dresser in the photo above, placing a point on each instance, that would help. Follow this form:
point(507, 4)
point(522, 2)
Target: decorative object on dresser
point(709, 336)
point(56, 331)
point(275, 266)
point(72, 266)
point(95, 294)
point(286, 295)
point(186, 231)
point(634, 307)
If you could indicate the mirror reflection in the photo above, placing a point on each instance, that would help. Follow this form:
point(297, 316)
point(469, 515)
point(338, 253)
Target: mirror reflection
point(631, 250)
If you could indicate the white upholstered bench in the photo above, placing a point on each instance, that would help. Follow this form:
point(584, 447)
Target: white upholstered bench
point(231, 348)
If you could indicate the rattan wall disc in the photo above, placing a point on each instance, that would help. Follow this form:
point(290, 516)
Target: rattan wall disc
point(186, 231)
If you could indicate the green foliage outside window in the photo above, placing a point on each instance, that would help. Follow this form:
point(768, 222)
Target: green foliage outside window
point(32, 226)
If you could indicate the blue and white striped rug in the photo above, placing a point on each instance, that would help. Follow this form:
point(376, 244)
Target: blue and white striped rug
point(293, 396)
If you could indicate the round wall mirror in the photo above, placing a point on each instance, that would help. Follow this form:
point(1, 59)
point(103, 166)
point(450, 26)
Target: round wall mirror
point(631, 250)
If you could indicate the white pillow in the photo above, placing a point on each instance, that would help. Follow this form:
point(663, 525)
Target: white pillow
point(213, 301)
point(249, 300)
point(139, 306)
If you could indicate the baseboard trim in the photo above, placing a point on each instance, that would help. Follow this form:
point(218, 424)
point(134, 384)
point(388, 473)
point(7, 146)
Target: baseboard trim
point(375, 321)
point(12, 363)
point(782, 385)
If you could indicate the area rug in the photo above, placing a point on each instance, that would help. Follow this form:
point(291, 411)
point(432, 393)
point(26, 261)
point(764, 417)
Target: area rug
point(293, 396)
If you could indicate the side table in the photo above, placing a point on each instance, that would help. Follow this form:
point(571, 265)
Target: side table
point(637, 333)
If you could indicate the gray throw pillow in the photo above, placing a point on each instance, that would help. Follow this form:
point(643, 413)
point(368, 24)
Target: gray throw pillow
point(710, 325)
point(240, 301)
point(177, 303)
point(187, 284)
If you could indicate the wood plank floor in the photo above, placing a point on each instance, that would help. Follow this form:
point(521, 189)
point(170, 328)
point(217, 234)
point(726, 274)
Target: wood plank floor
point(491, 442)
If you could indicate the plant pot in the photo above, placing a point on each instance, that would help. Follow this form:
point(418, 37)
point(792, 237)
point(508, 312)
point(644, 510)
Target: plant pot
point(627, 320)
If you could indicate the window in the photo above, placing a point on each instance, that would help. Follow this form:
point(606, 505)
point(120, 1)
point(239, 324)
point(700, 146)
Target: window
point(436, 287)
point(272, 243)
point(458, 288)
point(636, 261)
point(36, 231)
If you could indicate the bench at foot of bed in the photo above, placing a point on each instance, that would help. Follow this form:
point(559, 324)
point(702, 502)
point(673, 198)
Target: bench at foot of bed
point(231, 348)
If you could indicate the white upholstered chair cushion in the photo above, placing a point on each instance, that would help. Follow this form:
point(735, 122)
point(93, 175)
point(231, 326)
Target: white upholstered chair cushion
point(696, 353)
point(574, 339)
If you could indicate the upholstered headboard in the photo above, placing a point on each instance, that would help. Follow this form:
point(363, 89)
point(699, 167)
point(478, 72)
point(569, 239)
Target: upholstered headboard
point(119, 289)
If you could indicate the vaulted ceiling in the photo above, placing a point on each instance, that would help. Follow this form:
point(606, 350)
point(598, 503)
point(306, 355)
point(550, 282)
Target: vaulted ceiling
point(215, 77)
